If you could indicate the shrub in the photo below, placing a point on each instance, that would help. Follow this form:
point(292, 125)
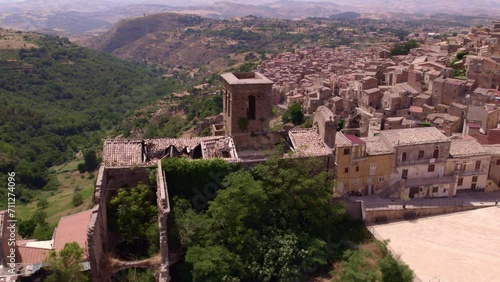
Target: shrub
point(77, 199)
point(42, 203)
point(81, 167)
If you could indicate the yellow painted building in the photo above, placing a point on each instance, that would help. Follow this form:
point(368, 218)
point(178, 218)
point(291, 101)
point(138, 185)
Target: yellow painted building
point(364, 165)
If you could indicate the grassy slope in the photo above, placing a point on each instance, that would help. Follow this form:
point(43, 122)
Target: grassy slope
point(60, 201)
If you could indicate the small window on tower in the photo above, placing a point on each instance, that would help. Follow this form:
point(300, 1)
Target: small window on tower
point(251, 108)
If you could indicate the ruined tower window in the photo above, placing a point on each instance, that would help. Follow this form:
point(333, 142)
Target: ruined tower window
point(251, 108)
point(228, 105)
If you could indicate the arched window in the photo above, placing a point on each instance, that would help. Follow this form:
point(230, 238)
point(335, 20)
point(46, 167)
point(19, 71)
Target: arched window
point(251, 107)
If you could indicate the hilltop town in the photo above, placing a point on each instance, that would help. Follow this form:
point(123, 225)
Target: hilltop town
point(384, 125)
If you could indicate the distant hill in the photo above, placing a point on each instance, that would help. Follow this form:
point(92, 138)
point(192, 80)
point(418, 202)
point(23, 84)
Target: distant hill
point(346, 16)
point(186, 41)
point(95, 17)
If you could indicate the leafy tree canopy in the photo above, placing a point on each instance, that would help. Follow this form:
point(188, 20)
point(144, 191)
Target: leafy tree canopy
point(272, 222)
point(64, 266)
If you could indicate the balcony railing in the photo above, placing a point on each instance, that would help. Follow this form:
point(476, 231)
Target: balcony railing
point(429, 181)
point(472, 172)
point(420, 161)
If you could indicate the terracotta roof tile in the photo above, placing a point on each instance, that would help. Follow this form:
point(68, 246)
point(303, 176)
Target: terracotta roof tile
point(307, 143)
point(413, 136)
point(72, 228)
point(32, 255)
point(466, 148)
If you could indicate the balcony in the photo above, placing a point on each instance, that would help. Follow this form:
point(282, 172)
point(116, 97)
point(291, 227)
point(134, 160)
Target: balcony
point(472, 172)
point(429, 181)
point(420, 162)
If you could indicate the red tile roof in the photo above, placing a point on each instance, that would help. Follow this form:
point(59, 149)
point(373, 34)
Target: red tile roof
point(354, 139)
point(416, 109)
point(473, 125)
point(72, 228)
point(29, 255)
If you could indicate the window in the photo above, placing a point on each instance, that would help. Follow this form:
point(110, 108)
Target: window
point(346, 170)
point(474, 179)
point(498, 162)
point(435, 189)
point(478, 165)
point(381, 179)
point(444, 190)
point(347, 152)
point(228, 103)
point(473, 186)
point(420, 154)
point(355, 182)
point(357, 169)
point(403, 157)
point(251, 107)
point(431, 168)
point(460, 181)
point(436, 153)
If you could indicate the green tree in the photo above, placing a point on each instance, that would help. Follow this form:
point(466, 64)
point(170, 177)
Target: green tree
point(212, 264)
point(139, 275)
point(43, 231)
point(393, 270)
point(42, 203)
point(274, 219)
point(64, 265)
point(134, 210)
point(90, 158)
point(356, 267)
point(404, 49)
point(26, 228)
point(294, 114)
point(77, 199)
point(81, 167)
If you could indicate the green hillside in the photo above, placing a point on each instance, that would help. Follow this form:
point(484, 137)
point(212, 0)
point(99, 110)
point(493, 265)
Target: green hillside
point(57, 99)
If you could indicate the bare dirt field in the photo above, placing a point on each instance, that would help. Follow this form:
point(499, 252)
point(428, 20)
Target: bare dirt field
point(457, 247)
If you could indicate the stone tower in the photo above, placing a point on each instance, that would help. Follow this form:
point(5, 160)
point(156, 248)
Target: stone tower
point(247, 102)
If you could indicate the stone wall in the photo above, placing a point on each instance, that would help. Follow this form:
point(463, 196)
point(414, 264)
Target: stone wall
point(326, 126)
point(262, 141)
point(109, 180)
point(384, 215)
point(96, 234)
point(163, 211)
point(353, 209)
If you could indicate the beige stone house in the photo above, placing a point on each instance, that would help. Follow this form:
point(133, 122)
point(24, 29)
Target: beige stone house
point(494, 171)
point(420, 158)
point(471, 163)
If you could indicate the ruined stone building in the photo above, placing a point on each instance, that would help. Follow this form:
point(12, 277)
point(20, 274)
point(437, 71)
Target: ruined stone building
point(243, 138)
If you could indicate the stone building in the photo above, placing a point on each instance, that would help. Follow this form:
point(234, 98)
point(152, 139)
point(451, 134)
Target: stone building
point(488, 116)
point(247, 102)
point(494, 172)
point(420, 156)
point(364, 165)
point(471, 162)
